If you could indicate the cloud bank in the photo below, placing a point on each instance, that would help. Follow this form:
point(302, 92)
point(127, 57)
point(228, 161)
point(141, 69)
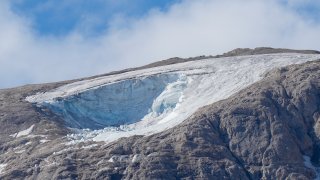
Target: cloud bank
point(188, 28)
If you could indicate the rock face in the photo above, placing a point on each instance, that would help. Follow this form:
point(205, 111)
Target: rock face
point(265, 131)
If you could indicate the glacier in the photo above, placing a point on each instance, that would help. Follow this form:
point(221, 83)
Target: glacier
point(148, 101)
point(119, 103)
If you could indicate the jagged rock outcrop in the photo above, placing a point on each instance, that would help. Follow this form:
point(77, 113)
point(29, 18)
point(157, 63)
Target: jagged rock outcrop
point(264, 131)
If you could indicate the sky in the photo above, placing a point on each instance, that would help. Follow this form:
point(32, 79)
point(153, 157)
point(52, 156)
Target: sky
point(48, 40)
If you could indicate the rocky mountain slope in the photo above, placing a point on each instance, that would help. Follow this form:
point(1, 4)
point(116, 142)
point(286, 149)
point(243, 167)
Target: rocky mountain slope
point(265, 130)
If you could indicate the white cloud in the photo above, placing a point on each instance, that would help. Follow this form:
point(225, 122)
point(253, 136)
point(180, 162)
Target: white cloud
point(190, 28)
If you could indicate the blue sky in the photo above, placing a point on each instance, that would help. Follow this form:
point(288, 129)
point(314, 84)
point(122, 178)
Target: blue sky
point(310, 9)
point(50, 40)
point(92, 17)
point(58, 18)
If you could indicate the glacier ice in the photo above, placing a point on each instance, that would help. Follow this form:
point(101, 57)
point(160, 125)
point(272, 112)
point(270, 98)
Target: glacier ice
point(119, 103)
point(148, 101)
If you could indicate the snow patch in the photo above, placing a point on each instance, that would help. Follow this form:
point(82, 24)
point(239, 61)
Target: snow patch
point(23, 133)
point(119, 158)
point(49, 163)
point(20, 151)
point(2, 167)
point(89, 146)
point(44, 141)
point(136, 158)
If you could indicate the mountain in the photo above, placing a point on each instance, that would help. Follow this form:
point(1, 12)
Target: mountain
point(246, 114)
